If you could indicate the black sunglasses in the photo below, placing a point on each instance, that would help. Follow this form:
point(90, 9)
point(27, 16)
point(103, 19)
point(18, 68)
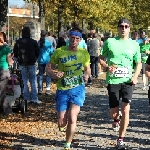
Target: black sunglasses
point(123, 26)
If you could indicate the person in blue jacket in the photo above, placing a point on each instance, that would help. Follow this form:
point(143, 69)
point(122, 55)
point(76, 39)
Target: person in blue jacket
point(46, 51)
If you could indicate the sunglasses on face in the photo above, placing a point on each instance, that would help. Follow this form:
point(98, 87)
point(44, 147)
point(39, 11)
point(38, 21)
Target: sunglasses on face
point(123, 26)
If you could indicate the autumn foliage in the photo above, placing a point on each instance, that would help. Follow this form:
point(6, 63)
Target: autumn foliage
point(103, 13)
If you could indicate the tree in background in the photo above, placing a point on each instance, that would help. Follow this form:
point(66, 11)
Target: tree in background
point(102, 13)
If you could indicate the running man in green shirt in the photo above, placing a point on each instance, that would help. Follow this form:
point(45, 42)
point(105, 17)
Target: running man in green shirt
point(121, 51)
point(145, 51)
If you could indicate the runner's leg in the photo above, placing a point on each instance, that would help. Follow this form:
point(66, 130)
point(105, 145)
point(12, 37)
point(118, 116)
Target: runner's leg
point(72, 119)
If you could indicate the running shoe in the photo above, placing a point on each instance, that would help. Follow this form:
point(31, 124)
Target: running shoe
point(36, 101)
point(144, 88)
point(67, 146)
point(61, 129)
point(121, 145)
point(116, 126)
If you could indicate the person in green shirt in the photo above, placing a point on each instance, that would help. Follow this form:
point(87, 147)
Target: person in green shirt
point(145, 51)
point(5, 61)
point(70, 94)
point(147, 72)
point(120, 52)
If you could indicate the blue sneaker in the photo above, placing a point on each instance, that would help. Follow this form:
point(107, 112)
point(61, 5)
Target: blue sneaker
point(67, 146)
point(144, 88)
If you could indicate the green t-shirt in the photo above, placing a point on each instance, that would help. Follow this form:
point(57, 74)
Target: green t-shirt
point(121, 53)
point(4, 51)
point(143, 49)
point(71, 64)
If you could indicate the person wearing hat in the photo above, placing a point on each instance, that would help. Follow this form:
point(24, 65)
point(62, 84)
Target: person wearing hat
point(121, 51)
point(26, 51)
point(70, 94)
point(46, 51)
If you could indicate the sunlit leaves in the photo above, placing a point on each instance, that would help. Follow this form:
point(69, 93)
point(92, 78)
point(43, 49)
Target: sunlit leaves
point(103, 13)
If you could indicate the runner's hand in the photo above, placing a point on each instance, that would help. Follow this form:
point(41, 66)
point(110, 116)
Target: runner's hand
point(134, 80)
point(59, 74)
point(147, 52)
point(85, 77)
point(112, 69)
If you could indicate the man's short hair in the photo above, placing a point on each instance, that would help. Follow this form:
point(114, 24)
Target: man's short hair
point(43, 32)
point(50, 33)
point(76, 29)
point(123, 20)
point(142, 32)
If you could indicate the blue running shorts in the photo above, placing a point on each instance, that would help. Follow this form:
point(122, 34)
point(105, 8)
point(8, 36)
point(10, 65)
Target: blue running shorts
point(65, 97)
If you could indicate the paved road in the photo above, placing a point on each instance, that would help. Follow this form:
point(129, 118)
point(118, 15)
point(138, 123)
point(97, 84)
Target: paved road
point(94, 130)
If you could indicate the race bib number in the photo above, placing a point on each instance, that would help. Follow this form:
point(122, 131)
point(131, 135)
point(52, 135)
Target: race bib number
point(143, 55)
point(121, 72)
point(73, 81)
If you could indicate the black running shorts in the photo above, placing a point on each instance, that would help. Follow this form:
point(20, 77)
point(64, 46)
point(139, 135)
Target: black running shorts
point(123, 90)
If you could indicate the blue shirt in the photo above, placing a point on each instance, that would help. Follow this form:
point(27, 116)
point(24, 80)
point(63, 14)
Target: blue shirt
point(140, 41)
point(45, 52)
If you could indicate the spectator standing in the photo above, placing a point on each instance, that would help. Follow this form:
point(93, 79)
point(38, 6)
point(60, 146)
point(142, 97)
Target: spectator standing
point(26, 51)
point(51, 39)
point(61, 40)
point(46, 51)
point(94, 51)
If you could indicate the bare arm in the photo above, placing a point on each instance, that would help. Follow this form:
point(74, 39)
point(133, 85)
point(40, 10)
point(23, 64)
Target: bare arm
point(110, 69)
point(147, 52)
point(137, 72)
point(51, 73)
point(137, 69)
point(102, 62)
point(87, 73)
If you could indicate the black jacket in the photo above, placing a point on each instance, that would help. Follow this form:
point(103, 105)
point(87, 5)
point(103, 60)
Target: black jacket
point(26, 51)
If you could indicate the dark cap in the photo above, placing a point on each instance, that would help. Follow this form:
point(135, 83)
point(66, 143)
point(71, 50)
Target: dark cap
point(43, 32)
point(123, 20)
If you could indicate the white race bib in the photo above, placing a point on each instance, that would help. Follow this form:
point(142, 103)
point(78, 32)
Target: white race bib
point(73, 81)
point(121, 72)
